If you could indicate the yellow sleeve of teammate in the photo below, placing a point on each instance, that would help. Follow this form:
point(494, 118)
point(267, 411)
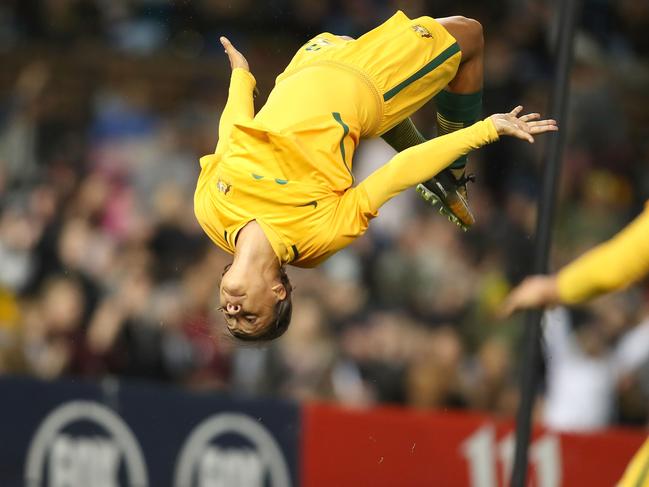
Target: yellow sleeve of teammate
point(421, 162)
point(635, 474)
point(610, 266)
point(239, 107)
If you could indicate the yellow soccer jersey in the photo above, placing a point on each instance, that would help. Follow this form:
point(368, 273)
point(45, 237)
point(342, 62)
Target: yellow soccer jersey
point(610, 266)
point(291, 179)
point(295, 180)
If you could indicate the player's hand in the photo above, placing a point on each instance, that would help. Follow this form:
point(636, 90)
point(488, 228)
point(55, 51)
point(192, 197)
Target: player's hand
point(524, 127)
point(237, 60)
point(533, 292)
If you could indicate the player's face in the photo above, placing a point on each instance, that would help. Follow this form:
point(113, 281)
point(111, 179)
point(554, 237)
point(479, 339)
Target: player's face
point(247, 302)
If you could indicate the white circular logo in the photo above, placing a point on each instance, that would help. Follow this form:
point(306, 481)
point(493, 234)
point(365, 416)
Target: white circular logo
point(203, 460)
point(84, 460)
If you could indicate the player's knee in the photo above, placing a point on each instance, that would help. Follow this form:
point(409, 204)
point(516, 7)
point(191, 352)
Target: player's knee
point(468, 32)
point(473, 32)
point(477, 32)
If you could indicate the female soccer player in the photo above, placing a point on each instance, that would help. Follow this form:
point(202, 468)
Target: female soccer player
point(279, 188)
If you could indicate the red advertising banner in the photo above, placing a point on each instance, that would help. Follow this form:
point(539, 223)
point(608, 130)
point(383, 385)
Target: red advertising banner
point(394, 447)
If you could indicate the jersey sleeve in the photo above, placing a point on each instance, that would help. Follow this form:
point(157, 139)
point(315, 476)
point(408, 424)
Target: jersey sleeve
point(239, 108)
point(421, 162)
point(610, 266)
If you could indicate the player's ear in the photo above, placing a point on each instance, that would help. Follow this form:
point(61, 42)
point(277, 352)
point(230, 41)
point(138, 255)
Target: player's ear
point(279, 291)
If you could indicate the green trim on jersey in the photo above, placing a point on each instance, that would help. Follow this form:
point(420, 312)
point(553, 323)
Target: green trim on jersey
point(345, 127)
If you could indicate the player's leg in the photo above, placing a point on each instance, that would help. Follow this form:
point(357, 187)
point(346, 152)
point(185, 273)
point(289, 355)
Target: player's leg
point(403, 135)
point(458, 105)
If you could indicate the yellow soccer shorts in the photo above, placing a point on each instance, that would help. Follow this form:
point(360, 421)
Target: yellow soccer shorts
point(405, 61)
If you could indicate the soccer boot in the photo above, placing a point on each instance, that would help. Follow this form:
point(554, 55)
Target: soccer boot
point(449, 193)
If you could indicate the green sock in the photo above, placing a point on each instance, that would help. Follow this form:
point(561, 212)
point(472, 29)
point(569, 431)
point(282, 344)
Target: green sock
point(403, 135)
point(456, 111)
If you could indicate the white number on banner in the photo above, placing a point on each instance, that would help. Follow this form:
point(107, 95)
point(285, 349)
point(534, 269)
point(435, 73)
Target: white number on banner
point(546, 455)
point(506, 448)
point(478, 449)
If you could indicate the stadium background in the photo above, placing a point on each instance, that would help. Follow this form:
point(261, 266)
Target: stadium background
point(105, 107)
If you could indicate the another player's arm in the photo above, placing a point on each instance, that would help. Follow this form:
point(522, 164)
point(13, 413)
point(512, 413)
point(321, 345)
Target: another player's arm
point(240, 106)
point(421, 162)
point(610, 266)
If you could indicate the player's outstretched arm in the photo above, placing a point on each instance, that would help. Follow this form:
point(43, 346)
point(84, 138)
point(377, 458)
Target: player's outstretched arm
point(240, 106)
point(534, 292)
point(610, 266)
point(422, 162)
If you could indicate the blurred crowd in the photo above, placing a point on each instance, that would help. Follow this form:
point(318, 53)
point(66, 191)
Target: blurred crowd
point(105, 108)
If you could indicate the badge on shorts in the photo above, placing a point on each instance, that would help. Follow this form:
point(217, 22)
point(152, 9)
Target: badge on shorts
point(223, 187)
point(422, 31)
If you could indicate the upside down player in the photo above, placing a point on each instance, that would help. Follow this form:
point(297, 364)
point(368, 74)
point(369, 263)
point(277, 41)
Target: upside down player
point(608, 267)
point(278, 189)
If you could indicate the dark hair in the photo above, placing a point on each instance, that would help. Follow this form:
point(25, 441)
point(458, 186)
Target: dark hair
point(281, 316)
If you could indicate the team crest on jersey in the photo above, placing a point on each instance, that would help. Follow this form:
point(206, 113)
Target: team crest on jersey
point(223, 187)
point(421, 31)
point(317, 44)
